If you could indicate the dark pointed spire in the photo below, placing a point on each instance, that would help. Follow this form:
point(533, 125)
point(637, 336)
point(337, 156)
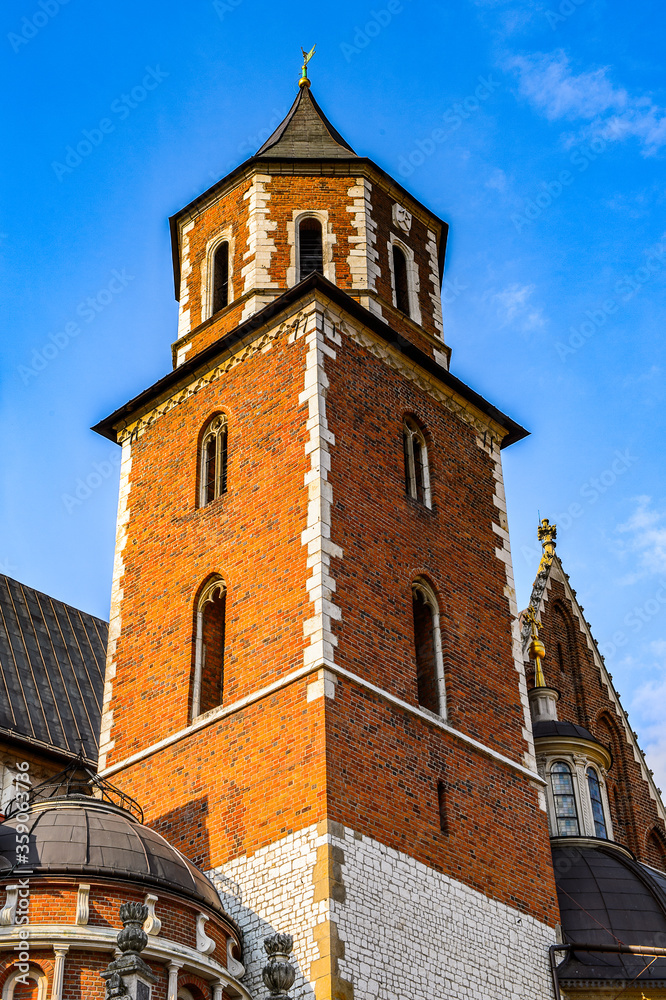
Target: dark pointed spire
point(306, 134)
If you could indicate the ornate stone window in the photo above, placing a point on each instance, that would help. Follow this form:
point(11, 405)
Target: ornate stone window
point(417, 471)
point(564, 796)
point(213, 461)
point(310, 247)
point(208, 677)
point(428, 648)
point(596, 802)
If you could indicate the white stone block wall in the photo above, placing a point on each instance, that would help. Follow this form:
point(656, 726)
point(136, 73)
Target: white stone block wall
point(408, 931)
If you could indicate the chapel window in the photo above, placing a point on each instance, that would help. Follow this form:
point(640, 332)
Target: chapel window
point(310, 248)
point(566, 813)
point(221, 277)
point(208, 681)
point(213, 461)
point(428, 649)
point(401, 281)
point(597, 803)
point(417, 472)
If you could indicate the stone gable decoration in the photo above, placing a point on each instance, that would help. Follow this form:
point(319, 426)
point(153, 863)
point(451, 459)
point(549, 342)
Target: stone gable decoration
point(402, 218)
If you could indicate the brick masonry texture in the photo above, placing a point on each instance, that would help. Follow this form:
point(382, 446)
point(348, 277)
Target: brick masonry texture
point(574, 668)
point(271, 768)
point(258, 212)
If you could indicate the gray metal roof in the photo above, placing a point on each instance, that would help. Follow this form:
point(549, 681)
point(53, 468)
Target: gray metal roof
point(51, 670)
point(607, 899)
point(83, 836)
point(306, 133)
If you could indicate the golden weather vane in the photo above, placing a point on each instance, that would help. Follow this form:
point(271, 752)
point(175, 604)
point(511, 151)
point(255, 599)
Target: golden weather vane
point(307, 56)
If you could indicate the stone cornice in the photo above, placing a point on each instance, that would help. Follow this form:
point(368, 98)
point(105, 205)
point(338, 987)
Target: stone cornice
point(281, 317)
point(90, 938)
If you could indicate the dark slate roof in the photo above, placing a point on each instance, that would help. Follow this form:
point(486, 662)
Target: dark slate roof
point(552, 727)
point(306, 133)
point(51, 670)
point(85, 837)
point(606, 898)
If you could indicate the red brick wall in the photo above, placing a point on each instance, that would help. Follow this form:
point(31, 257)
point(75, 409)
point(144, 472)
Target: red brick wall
point(570, 668)
point(250, 536)
point(315, 192)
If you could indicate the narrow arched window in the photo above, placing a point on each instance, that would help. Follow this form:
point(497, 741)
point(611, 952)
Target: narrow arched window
point(428, 648)
point(401, 280)
point(221, 277)
point(208, 681)
point(597, 803)
point(417, 471)
point(213, 461)
point(310, 248)
point(566, 813)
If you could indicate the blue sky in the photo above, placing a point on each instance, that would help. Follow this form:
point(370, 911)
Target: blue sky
point(555, 300)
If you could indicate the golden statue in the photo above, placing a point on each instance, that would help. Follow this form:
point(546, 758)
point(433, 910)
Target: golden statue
point(537, 650)
point(547, 533)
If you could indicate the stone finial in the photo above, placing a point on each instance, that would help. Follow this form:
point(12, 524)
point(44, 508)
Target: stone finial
point(122, 974)
point(278, 974)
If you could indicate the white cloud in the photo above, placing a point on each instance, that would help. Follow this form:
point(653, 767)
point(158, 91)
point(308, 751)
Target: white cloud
point(549, 84)
point(645, 532)
point(514, 307)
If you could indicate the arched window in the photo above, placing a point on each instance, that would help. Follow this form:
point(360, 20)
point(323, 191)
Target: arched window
point(656, 848)
point(597, 803)
point(208, 681)
point(428, 648)
point(417, 472)
point(213, 461)
point(221, 277)
point(401, 281)
point(16, 987)
point(566, 813)
point(310, 250)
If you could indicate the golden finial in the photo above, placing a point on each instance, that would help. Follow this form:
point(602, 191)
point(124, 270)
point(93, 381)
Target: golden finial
point(547, 533)
point(307, 56)
point(537, 650)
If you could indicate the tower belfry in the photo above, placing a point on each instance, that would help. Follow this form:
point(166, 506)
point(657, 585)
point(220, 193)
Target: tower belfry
point(315, 685)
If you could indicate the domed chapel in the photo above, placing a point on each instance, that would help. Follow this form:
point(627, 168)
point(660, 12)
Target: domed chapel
point(317, 752)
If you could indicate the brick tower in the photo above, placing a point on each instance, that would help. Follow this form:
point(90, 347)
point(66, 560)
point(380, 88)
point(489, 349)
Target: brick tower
point(315, 684)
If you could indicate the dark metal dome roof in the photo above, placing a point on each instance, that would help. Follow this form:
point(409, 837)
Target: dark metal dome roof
point(555, 727)
point(81, 835)
point(608, 898)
